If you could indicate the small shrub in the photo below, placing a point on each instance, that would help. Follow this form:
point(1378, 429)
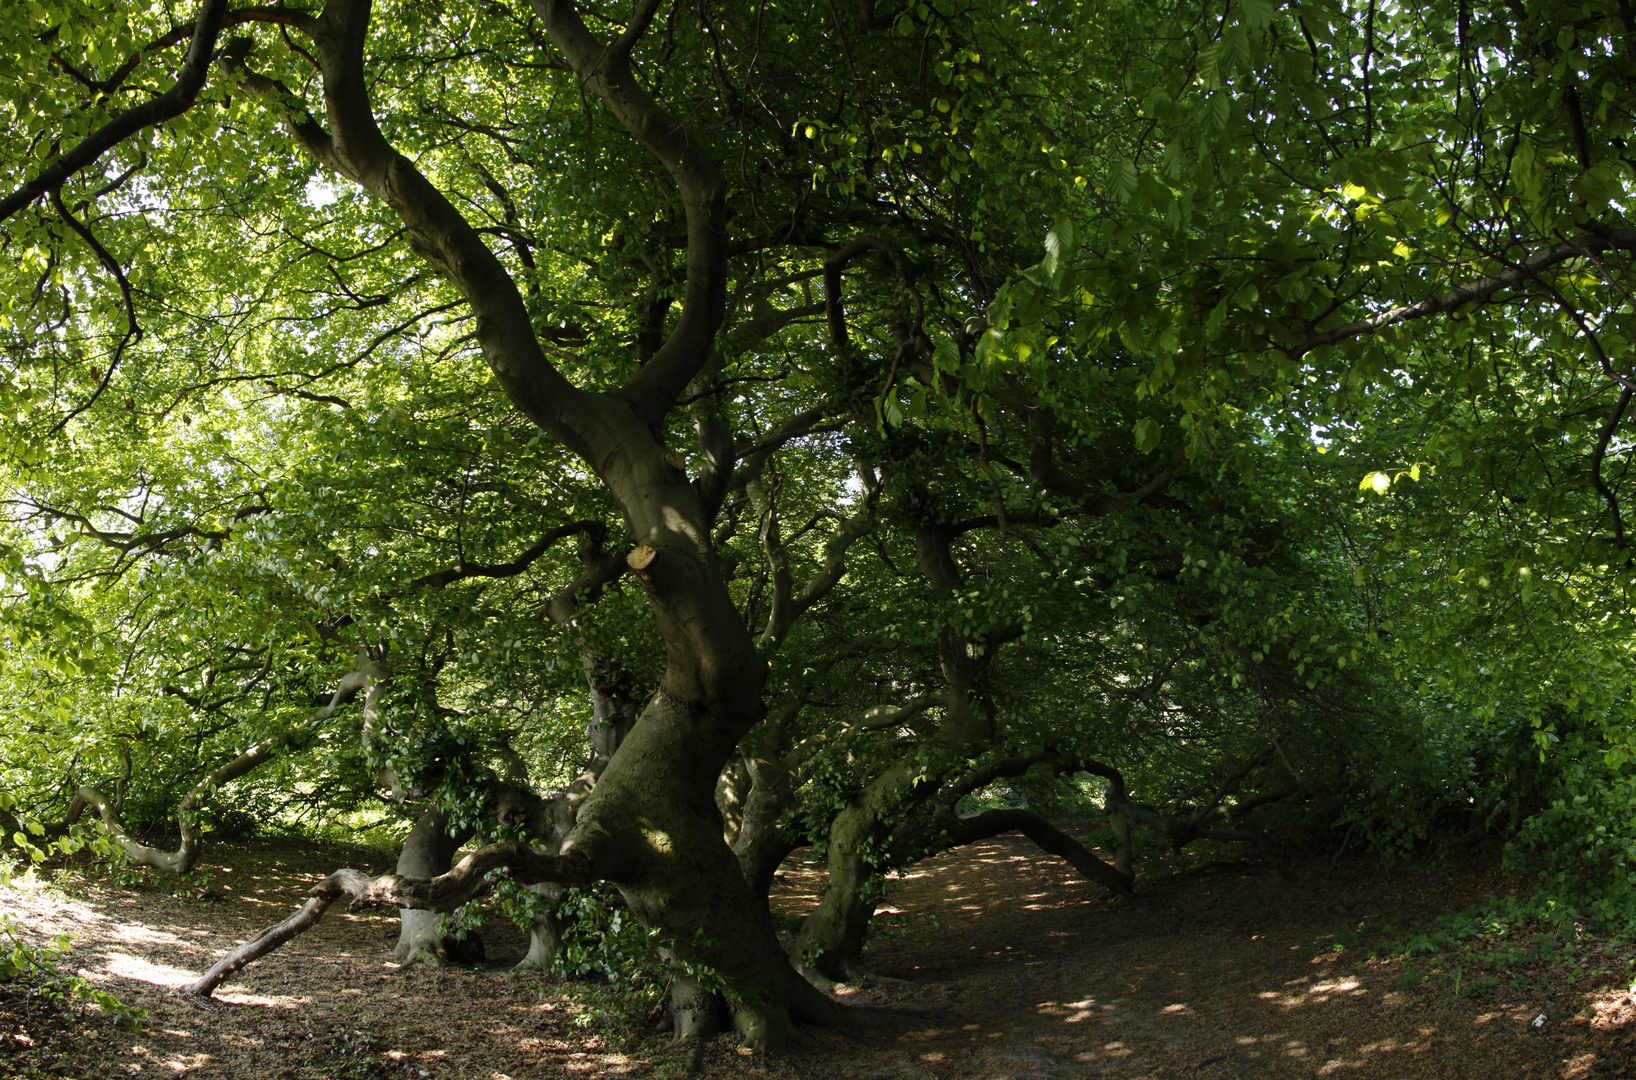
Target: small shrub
point(29, 977)
point(43, 1010)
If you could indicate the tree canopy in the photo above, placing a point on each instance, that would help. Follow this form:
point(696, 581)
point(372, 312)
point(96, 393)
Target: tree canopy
point(649, 438)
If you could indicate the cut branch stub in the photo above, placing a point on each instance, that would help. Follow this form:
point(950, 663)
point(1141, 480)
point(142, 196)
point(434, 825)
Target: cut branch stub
point(640, 558)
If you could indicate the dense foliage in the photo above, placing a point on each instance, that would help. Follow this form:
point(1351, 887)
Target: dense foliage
point(1203, 416)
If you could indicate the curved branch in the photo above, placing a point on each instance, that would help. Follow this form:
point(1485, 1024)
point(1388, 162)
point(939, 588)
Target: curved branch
point(305, 918)
point(187, 853)
point(443, 893)
point(753, 457)
point(516, 566)
point(1602, 439)
point(133, 330)
point(836, 263)
point(601, 569)
point(1047, 838)
point(885, 717)
point(1473, 292)
point(1051, 476)
point(172, 103)
point(606, 69)
point(442, 236)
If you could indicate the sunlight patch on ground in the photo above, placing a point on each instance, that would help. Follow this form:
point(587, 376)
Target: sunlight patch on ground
point(39, 909)
point(125, 966)
point(135, 933)
point(240, 995)
point(1316, 994)
point(1330, 1068)
point(1580, 1065)
point(1073, 1012)
point(188, 1063)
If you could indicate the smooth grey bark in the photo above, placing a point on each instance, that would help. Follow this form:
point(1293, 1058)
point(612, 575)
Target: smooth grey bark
point(428, 851)
point(613, 714)
point(545, 934)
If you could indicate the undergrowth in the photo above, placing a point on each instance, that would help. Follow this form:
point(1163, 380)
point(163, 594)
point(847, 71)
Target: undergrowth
point(45, 1010)
point(1534, 945)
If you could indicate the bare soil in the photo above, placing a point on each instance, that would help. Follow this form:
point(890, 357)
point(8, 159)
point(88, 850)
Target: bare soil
point(1026, 973)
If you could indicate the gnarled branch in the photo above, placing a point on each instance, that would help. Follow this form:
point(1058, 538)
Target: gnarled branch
point(443, 893)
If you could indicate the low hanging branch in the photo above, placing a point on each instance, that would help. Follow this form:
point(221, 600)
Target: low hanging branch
point(1049, 839)
point(187, 853)
point(957, 831)
point(1183, 830)
point(443, 894)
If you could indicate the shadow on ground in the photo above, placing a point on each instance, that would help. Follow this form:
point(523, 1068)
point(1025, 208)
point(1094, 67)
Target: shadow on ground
point(1030, 973)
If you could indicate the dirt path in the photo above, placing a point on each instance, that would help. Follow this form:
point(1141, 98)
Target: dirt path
point(1029, 974)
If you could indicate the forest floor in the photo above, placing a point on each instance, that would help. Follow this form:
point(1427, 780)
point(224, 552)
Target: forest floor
point(1026, 972)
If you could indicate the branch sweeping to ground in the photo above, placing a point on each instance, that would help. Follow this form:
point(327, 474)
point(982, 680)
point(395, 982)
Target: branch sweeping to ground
point(187, 852)
point(443, 893)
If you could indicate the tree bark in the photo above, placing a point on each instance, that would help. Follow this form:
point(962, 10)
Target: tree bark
point(428, 851)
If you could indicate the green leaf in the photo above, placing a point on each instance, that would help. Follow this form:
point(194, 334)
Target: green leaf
point(1122, 181)
point(1147, 432)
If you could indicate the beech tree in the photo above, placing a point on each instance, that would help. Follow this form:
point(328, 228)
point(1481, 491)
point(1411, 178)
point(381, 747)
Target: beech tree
point(653, 439)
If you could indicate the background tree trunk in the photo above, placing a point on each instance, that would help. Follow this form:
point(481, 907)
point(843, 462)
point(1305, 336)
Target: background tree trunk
point(427, 852)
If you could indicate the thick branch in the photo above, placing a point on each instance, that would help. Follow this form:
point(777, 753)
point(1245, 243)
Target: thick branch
point(753, 457)
point(600, 569)
point(439, 233)
point(443, 893)
point(885, 717)
point(1049, 475)
point(837, 263)
point(1048, 838)
point(606, 70)
point(1474, 292)
point(305, 918)
point(172, 103)
point(448, 891)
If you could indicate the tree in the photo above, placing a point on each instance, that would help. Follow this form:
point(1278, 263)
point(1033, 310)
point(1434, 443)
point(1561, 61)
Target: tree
point(328, 348)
